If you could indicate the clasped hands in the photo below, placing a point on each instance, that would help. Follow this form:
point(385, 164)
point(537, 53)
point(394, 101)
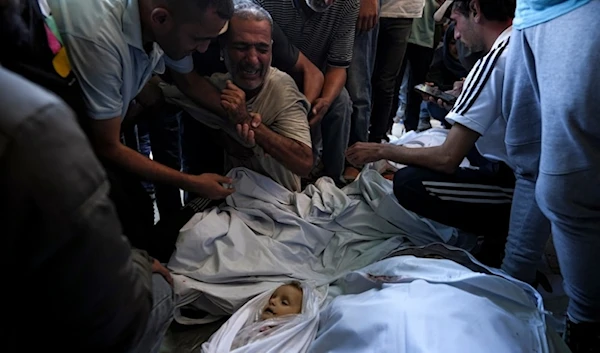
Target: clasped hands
point(233, 101)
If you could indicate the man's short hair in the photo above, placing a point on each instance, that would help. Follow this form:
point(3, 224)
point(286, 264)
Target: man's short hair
point(492, 10)
point(224, 8)
point(250, 11)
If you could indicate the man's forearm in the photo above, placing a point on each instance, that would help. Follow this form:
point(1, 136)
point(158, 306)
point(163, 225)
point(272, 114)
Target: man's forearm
point(201, 91)
point(144, 167)
point(433, 158)
point(445, 158)
point(294, 155)
point(335, 80)
point(312, 78)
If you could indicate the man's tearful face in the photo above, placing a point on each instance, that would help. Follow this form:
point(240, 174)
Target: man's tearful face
point(286, 300)
point(248, 52)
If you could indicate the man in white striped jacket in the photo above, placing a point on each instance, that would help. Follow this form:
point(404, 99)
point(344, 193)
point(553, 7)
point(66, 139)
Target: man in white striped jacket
point(475, 199)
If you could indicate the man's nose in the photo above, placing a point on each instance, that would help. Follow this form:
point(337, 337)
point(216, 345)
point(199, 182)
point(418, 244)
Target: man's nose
point(456, 34)
point(252, 56)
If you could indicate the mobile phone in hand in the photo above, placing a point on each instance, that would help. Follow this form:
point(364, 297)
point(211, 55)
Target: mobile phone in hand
point(436, 93)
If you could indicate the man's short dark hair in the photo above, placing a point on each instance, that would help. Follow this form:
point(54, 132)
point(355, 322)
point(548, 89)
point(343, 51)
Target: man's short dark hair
point(492, 10)
point(224, 8)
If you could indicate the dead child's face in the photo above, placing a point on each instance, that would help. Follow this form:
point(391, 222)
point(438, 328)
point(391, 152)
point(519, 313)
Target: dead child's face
point(286, 300)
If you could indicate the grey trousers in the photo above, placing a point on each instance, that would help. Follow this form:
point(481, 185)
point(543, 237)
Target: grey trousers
point(552, 95)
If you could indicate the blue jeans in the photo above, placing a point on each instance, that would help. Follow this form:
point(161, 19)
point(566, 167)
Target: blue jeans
point(550, 101)
point(359, 85)
point(163, 305)
point(335, 131)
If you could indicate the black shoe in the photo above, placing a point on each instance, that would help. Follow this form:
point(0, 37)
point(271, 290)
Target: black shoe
point(583, 337)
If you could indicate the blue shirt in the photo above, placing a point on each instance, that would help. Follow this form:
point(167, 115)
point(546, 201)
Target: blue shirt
point(104, 44)
point(530, 13)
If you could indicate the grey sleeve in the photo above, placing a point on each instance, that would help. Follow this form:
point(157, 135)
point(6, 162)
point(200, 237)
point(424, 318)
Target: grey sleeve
point(94, 287)
point(342, 45)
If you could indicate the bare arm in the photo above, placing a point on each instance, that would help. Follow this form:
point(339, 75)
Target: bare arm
point(335, 79)
point(106, 142)
point(292, 154)
point(445, 158)
point(312, 78)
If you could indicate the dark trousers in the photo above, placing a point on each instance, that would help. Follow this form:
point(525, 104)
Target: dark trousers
point(420, 59)
point(391, 46)
point(475, 201)
point(201, 153)
point(134, 206)
point(160, 134)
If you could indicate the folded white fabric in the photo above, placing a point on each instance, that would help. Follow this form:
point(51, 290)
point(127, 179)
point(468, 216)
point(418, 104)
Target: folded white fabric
point(245, 333)
point(412, 305)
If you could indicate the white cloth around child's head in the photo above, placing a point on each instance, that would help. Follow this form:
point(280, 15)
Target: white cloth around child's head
point(245, 333)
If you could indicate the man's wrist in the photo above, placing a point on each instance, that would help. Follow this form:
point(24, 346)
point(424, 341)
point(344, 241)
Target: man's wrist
point(185, 181)
point(384, 151)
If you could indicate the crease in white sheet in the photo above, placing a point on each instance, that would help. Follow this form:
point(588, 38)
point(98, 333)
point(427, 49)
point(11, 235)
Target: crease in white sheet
point(266, 235)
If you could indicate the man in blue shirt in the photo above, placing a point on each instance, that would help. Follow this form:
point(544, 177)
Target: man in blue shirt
point(553, 140)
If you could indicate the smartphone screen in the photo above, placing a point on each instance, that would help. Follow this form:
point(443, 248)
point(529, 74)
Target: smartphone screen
point(436, 93)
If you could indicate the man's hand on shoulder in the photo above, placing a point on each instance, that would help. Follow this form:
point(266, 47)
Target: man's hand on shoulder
point(211, 186)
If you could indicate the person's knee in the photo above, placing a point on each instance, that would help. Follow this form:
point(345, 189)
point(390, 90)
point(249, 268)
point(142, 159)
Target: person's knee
point(406, 181)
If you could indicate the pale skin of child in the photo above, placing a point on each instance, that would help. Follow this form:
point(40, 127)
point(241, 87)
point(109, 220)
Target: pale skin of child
point(286, 300)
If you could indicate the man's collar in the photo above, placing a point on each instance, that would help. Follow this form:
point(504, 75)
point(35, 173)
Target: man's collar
point(301, 6)
point(502, 37)
point(132, 26)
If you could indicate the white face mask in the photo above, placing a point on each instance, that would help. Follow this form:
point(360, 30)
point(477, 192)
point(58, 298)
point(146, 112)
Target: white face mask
point(319, 5)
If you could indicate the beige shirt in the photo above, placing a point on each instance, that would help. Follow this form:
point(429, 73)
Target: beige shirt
point(283, 108)
point(402, 8)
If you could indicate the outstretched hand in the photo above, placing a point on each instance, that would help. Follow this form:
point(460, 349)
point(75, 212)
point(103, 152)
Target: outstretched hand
point(210, 186)
point(362, 153)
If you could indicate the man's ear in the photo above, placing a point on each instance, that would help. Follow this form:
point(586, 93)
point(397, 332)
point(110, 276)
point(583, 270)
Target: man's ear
point(161, 17)
point(475, 10)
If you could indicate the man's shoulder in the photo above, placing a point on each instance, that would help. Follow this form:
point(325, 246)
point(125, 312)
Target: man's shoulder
point(279, 94)
point(99, 22)
point(20, 101)
point(280, 77)
point(495, 59)
point(282, 86)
